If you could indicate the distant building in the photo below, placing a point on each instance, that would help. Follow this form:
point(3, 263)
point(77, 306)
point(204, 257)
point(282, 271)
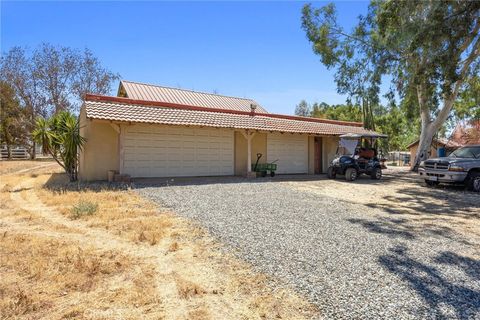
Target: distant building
point(465, 133)
point(440, 147)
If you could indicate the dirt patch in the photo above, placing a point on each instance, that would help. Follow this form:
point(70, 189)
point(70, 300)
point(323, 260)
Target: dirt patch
point(126, 258)
point(401, 194)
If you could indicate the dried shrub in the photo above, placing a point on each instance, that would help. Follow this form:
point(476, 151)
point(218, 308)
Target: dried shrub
point(188, 289)
point(173, 247)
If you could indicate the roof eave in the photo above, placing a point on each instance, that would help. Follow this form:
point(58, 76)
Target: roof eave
point(93, 97)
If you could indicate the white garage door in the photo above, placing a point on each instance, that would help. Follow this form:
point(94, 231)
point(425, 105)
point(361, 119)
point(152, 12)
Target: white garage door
point(162, 151)
point(291, 150)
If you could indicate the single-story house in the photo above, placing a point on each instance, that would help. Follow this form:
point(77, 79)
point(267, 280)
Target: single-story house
point(436, 147)
point(154, 131)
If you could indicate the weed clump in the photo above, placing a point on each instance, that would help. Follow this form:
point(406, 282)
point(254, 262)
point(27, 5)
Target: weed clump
point(83, 208)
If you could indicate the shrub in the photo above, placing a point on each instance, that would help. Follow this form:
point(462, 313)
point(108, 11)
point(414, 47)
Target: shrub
point(83, 208)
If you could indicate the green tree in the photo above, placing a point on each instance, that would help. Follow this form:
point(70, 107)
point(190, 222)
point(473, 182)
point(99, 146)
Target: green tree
point(60, 137)
point(429, 49)
point(391, 120)
point(12, 118)
point(343, 112)
point(400, 130)
point(302, 109)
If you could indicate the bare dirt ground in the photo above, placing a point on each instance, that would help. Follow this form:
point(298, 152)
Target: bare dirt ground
point(402, 195)
point(125, 260)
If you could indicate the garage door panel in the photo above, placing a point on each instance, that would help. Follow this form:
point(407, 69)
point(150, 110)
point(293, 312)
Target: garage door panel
point(154, 151)
point(291, 151)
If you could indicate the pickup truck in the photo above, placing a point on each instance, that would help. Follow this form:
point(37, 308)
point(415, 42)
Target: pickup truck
point(461, 166)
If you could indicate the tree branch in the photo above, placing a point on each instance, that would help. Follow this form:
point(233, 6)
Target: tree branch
point(450, 99)
point(349, 36)
point(469, 40)
point(471, 57)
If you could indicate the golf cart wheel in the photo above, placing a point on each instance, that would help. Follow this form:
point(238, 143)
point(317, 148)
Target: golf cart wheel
point(264, 173)
point(376, 174)
point(431, 183)
point(351, 174)
point(331, 174)
point(272, 173)
point(474, 181)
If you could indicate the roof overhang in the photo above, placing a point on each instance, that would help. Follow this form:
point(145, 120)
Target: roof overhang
point(126, 110)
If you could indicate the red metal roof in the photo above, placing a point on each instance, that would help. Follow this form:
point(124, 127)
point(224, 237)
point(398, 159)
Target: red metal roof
point(149, 92)
point(138, 111)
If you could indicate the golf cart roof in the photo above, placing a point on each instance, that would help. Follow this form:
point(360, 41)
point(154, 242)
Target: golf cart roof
point(363, 135)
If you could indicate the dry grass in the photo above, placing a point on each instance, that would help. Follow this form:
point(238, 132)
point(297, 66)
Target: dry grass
point(127, 259)
point(41, 275)
point(7, 166)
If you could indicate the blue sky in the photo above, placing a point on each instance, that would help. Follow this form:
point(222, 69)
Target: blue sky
point(246, 49)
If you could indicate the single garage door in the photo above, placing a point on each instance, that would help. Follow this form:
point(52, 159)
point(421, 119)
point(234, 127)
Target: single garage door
point(169, 151)
point(291, 150)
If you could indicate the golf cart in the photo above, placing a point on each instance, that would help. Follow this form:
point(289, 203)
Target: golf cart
point(356, 154)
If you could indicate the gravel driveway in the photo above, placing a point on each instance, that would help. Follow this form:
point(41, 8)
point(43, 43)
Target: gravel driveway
point(352, 260)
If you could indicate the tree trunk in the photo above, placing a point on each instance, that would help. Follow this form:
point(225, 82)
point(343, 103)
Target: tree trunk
point(430, 127)
point(372, 119)
point(9, 151)
point(32, 151)
point(424, 144)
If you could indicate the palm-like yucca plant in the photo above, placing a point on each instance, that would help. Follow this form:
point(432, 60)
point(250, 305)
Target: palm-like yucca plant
point(60, 137)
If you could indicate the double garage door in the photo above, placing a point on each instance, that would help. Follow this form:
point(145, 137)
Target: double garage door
point(291, 151)
point(161, 151)
point(170, 151)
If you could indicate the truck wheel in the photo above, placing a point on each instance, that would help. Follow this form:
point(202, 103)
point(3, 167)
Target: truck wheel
point(331, 174)
point(431, 183)
point(351, 174)
point(376, 174)
point(474, 181)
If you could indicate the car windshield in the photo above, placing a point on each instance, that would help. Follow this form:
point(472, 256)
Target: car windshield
point(467, 152)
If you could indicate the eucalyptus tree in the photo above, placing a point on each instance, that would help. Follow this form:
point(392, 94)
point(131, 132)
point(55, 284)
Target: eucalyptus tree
point(428, 50)
point(467, 105)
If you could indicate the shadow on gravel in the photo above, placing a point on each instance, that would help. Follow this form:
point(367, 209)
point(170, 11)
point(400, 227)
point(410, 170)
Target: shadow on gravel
point(193, 181)
point(402, 228)
point(450, 201)
point(405, 229)
point(445, 298)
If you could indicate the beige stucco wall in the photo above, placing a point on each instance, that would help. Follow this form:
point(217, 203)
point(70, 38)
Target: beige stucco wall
point(259, 145)
point(100, 152)
point(311, 155)
point(330, 145)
